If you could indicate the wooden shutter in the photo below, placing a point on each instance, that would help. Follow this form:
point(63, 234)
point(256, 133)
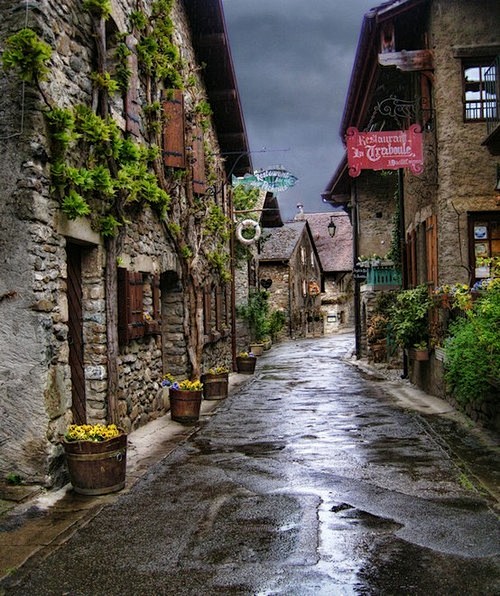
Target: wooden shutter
point(218, 308)
point(153, 326)
point(156, 297)
point(132, 111)
point(199, 179)
point(431, 250)
point(174, 150)
point(207, 311)
point(411, 258)
point(130, 305)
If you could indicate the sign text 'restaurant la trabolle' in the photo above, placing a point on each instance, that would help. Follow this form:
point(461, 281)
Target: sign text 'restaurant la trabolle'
point(385, 150)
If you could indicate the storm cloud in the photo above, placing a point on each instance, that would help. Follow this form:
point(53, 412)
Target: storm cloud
point(293, 61)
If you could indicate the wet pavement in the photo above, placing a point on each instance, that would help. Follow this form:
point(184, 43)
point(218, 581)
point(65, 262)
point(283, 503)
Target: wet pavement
point(315, 477)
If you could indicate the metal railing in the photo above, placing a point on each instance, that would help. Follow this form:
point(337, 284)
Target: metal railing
point(383, 276)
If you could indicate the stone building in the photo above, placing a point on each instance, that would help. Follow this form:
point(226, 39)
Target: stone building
point(114, 214)
point(335, 254)
point(290, 268)
point(433, 64)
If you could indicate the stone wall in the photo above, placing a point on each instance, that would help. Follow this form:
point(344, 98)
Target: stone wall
point(377, 206)
point(289, 290)
point(35, 374)
point(337, 303)
point(464, 171)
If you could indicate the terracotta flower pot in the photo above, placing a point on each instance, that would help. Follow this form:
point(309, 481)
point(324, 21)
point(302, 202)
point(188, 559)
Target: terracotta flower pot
point(419, 355)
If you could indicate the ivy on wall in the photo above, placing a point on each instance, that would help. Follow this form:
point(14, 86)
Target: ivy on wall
point(100, 171)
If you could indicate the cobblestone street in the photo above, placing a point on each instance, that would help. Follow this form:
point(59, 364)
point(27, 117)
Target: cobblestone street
point(311, 479)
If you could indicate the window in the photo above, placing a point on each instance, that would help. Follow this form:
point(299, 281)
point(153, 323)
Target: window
point(431, 250)
point(484, 240)
point(138, 305)
point(479, 97)
point(215, 313)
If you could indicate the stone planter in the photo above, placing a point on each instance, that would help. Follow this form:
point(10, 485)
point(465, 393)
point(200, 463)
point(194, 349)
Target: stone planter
point(257, 348)
point(267, 344)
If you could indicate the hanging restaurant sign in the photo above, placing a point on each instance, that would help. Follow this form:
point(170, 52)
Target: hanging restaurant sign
point(272, 179)
point(385, 150)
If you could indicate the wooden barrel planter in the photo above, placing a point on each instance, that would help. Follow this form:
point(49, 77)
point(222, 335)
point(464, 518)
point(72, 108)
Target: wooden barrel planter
point(246, 364)
point(215, 385)
point(185, 405)
point(97, 468)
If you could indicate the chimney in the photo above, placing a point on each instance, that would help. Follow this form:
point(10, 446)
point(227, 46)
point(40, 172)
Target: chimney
point(300, 215)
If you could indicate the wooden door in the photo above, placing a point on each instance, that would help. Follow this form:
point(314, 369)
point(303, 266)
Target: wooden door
point(75, 333)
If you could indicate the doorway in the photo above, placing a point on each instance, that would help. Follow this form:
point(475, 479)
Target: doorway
point(75, 333)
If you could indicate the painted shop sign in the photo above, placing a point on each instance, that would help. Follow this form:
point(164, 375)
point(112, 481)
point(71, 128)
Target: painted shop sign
point(385, 150)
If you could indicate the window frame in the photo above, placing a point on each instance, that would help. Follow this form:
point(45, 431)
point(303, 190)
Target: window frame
point(482, 63)
point(475, 220)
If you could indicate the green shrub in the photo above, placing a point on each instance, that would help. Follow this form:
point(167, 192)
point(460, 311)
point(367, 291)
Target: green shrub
point(409, 316)
point(473, 350)
point(256, 314)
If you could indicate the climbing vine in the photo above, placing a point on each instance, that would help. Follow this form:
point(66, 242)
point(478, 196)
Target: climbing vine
point(97, 171)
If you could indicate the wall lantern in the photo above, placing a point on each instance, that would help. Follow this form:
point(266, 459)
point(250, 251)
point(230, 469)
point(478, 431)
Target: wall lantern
point(332, 228)
point(497, 185)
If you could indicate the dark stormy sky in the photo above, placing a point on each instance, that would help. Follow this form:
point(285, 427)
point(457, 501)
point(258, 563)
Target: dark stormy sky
point(293, 61)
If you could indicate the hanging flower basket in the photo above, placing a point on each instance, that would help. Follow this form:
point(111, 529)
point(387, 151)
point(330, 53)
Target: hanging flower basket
point(313, 288)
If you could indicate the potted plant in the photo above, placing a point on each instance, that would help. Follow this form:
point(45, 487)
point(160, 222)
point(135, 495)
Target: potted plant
point(185, 398)
point(215, 383)
point(96, 456)
point(409, 317)
point(255, 313)
point(277, 320)
point(245, 362)
point(420, 351)
point(376, 336)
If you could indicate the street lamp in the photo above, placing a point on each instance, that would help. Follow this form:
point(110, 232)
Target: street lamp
point(332, 228)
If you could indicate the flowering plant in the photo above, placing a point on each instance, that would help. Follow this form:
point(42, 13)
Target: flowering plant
point(184, 385)
point(246, 355)
point(456, 294)
point(313, 288)
point(88, 432)
point(218, 370)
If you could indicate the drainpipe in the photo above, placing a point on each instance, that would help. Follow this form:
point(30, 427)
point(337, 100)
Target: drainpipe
point(355, 255)
point(402, 241)
point(233, 282)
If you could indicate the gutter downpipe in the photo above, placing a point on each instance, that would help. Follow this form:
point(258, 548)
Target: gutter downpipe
point(404, 271)
point(357, 283)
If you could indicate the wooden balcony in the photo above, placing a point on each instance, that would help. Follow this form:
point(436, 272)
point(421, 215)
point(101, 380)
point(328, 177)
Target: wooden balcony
point(382, 277)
